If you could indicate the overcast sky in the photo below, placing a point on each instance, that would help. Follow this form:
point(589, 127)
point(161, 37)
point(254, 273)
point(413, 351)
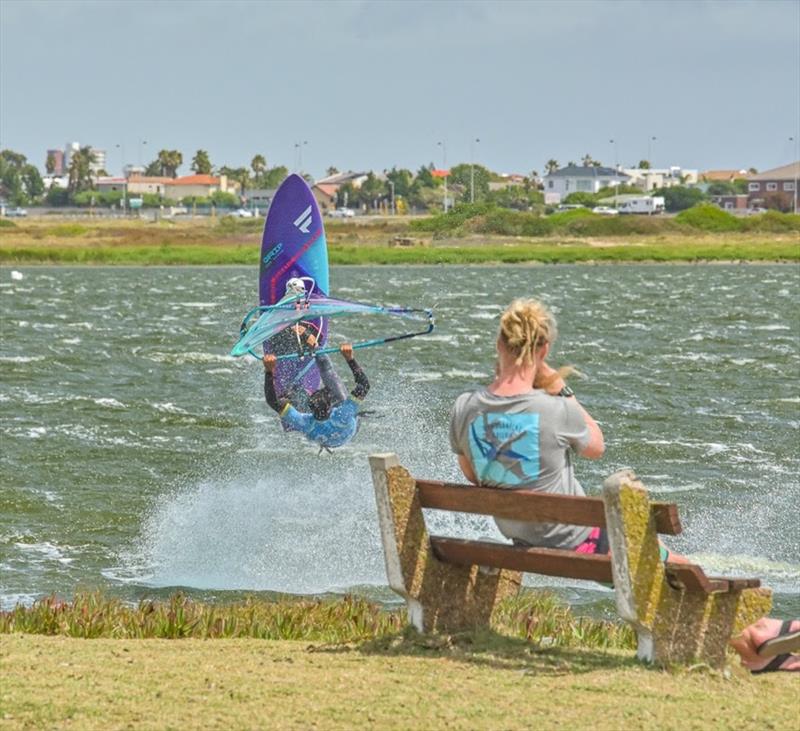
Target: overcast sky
point(370, 85)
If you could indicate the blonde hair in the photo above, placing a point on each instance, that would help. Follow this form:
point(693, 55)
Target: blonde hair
point(525, 327)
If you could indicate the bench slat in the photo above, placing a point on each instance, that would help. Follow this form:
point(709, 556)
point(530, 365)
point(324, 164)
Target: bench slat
point(547, 561)
point(532, 506)
point(694, 579)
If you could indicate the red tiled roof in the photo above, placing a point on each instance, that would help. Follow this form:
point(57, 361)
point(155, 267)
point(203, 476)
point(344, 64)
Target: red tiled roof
point(440, 173)
point(328, 189)
point(195, 180)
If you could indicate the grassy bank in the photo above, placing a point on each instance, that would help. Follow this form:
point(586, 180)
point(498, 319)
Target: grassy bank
point(397, 682)
point(378, 242)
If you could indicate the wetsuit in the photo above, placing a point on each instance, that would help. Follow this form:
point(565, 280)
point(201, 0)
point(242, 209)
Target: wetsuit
point(341, 423)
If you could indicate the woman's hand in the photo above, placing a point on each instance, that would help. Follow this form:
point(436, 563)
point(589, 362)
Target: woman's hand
point(270, 361)
point(346, 349)
point(548, 378)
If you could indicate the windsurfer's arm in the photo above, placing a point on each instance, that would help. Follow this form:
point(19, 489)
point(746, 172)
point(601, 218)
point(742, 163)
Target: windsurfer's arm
point(362, 382)
point(269, 385)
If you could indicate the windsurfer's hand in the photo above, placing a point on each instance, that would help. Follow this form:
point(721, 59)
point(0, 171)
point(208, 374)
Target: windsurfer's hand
point(346, 349)
point(311, 341)
point(269, 362)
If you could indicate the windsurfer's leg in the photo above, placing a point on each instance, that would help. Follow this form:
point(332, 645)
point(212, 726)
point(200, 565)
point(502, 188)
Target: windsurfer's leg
point(331, 380)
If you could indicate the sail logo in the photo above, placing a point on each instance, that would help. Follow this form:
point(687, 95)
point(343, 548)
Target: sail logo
point(272, 253)
point(303, 221)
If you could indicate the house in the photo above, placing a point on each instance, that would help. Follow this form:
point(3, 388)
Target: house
point(653, 178)
point(109, 184)
point(199, 186)
point(259, 198)
point(151, 184)
point(339, 179)
point(776, 188)
point(731, 202)
point(580, 179)
point(326, 195)
point(722, 176)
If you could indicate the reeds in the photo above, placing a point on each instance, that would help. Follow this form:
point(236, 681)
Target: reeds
point(535, 616)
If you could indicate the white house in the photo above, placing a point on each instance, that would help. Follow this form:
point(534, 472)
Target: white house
point(580, 179)
point(650, 179)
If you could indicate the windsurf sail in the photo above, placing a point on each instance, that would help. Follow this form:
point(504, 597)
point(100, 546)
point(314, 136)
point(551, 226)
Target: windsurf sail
point(263, 323)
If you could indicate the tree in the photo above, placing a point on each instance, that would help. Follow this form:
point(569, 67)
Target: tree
point(332, 171)
point(679, 198)
point(169, 161)
point(551, 166)
point(273, 177)
point(371, 191)
point(80, 171)
point(461, 176)
point(403, 180)
point(50, 165)
point(20, 181)
point(201, 163)
point(153, 169)
point(644, 165)
point(259, 166)
point(587, 160)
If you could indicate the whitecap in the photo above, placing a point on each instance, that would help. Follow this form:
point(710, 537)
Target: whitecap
point(20, 358)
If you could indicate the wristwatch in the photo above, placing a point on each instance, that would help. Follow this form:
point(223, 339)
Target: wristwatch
point(566, 392)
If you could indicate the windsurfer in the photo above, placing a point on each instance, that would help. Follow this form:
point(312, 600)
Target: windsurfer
point(332, 416)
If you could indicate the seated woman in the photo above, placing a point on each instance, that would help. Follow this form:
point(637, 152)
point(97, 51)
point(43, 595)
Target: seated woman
point(511, 434)
point(522, 431)
point(328, 416)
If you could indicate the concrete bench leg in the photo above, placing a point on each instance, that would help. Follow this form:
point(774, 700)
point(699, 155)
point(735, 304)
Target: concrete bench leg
point(440, 597)
point(673, 626)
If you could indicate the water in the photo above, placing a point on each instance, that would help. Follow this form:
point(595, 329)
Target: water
point(137, 457)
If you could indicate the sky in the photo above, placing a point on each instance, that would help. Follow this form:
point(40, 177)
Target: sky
point(370, 85)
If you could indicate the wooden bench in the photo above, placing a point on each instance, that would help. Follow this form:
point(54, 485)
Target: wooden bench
point(680, 615)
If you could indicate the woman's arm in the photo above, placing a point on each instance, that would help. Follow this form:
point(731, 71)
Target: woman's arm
point(467, 469)
point(269, 385)
point(362, 382)
point(596, 446)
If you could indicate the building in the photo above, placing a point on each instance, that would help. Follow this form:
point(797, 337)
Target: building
point(109, 184)
point(776, 188)
point(58, 161)
point(98, 163)
point(199, 186)
point(259, 198)
point(649, 179)
point(338, 179)
point(142, 184)
point(326, 195)
point(722, 176)
point(732, 202)
point(580, 179)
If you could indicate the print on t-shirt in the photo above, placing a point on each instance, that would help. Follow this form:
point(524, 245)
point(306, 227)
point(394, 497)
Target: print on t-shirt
point(505, 448)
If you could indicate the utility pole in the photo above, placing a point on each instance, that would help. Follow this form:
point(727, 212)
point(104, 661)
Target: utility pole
point(650, 151)
point(391, 185)
point(121, 147)
point(616, 172)
point(141, 143)
point(796, 163)
point(444, 170)
point(298, 148)
point(472, 169)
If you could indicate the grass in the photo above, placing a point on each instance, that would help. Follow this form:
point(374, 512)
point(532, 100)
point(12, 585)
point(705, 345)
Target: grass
point(234, 241)
point(346, 663)
point(399, 682)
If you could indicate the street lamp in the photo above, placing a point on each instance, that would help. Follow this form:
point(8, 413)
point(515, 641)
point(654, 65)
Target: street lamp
point(796, 163)
point(391, 185)
point(444, 170)
point(472, 169)
point(616, 172)
point(121, 147)
point(141, 144)
point(298, 147)
point(649, 150)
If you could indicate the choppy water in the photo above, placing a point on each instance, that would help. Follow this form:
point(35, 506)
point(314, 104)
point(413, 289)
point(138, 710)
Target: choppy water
point(138, 457)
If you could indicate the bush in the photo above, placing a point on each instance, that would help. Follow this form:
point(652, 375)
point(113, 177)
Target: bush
point(5, 223)
point(773, 222)
point(57, 197)
point(505, 222)
point(67, 230)
point(709, 218)
point(452, 220)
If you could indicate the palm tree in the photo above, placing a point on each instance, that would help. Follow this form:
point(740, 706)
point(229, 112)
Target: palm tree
point(80, 170)
point(587, 160)
point(170, 161)
point(259, 166)
point(551, 166)
point(201, 164)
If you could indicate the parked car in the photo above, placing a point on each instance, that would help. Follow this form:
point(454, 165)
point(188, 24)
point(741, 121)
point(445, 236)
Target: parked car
point(16, 212)
point(568, 207)
point(605, 211)
point(342, 213)
point(242, 213)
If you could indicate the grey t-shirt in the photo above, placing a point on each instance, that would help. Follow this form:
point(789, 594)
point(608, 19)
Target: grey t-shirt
point(523, 441)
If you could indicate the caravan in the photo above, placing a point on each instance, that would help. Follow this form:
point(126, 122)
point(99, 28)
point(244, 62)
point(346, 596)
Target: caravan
point(646, 204)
